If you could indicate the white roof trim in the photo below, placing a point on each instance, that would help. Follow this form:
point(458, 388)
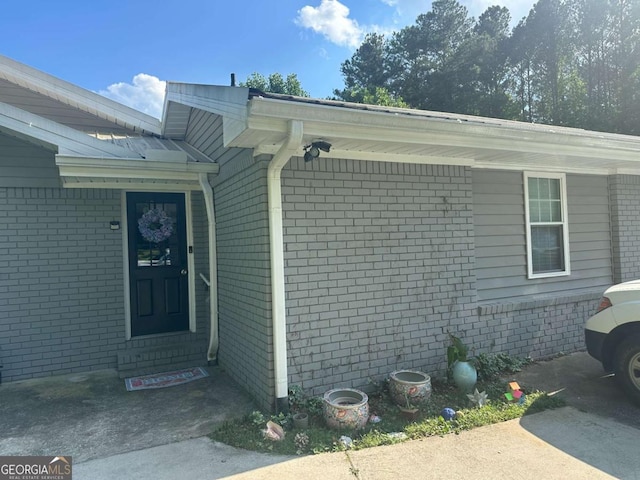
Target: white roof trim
point(89, 172)
point(72, 95)
point(375, 133)
point(230, 102)
point(419, 127)
point(67, 140)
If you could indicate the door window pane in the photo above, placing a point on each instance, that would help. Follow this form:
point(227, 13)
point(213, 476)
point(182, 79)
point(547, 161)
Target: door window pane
point(156, 233)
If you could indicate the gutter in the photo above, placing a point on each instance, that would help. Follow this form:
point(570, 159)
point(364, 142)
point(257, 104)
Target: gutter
point(212, 352)
point(276, 243)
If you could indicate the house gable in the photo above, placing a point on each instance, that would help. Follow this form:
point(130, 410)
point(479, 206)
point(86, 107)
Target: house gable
point(67, 104)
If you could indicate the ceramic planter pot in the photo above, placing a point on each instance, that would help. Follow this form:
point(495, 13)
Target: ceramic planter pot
point(409, 386)
point(410, 414)
point(301, 420)
point(464, 375)
point(346, 408)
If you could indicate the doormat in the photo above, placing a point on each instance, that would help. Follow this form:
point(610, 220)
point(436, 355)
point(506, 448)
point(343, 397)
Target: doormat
point(166, 379)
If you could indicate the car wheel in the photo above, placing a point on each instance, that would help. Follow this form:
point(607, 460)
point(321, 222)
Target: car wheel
point(627, 367)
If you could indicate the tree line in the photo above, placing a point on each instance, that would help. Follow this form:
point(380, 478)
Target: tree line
point(569, 62)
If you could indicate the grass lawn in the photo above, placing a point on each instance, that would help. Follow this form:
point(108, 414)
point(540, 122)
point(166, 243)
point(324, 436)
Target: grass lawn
point(247, 433)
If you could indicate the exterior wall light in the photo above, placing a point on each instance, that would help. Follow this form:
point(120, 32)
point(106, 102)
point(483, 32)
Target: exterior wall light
point(313, 150)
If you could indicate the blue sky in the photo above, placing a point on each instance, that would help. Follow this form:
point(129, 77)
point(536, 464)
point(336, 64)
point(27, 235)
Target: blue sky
point(125, 50)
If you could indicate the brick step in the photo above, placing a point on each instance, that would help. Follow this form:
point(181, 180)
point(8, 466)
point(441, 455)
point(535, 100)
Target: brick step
point(145, 361)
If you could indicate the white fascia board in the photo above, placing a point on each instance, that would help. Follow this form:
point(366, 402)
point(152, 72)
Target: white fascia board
point(547, 168)
point(327, 121)
point(130, 184)
point(73, 166)
point(70, 94)
point(66, 139)
point(229, 102)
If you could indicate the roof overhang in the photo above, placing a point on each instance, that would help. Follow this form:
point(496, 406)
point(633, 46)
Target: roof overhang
point(164, 171)
point(363, 132)
point(410, 136)
point(77, 98)
point(54, 136)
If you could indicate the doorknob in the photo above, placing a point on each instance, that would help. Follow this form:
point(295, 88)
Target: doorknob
point(183, 271)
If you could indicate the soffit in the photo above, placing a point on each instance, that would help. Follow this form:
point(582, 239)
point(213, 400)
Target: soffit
point(158, 172)
point(49, 97)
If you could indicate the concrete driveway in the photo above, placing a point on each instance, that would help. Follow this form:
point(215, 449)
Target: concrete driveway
point(581, 381)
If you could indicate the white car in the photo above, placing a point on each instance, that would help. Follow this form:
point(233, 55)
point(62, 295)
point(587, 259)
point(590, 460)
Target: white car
point(612, 335)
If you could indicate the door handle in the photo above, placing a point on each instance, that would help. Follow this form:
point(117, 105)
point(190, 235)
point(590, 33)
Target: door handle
point(184, 271)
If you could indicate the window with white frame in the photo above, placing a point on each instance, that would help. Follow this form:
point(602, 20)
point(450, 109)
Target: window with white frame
point(547, 226)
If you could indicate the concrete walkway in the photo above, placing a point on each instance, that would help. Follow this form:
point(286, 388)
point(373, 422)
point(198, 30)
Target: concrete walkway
point(115, 434)
point(92, 415)
point(557, 444)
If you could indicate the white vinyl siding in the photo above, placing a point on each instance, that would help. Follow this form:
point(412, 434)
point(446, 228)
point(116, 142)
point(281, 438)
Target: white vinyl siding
point(547, 225)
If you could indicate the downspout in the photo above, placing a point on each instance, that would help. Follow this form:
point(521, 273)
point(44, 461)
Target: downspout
point(212, 352)
point(276, 241)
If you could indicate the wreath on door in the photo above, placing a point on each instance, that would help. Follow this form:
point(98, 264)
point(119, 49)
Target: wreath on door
point(155, 225)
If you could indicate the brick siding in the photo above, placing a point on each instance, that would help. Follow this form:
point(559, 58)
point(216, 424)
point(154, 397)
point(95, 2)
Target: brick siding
point(244, 299)
point(379, 265)
point(624, 191)
point(61, 286)
point(538, 328)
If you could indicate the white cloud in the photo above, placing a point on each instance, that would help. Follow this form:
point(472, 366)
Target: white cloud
point(331, 19)
point(408, 10)
point(145, 93)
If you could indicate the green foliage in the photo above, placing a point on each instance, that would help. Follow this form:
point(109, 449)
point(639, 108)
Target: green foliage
point(297, 398)
point(247, 433)
point(490, 366)
point(569, 62)
point(371, 96)
point(299, 401)
point(456, 351)
point(276, 83)
point(257, 418)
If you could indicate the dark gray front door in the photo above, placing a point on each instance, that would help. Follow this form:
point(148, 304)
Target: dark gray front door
point(158, 276)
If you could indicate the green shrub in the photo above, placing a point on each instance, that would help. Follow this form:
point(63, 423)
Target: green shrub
point(491, 365)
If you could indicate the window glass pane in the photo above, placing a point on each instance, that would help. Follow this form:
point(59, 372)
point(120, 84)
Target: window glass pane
point(556, 211)
point(155, 235)
point(547, 248)
point(554, 188)
point(533, 188)
point(545, 211)
point(534, 211)
point(544, 188)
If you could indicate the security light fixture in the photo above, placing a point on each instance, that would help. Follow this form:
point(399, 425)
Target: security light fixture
point(313, 150)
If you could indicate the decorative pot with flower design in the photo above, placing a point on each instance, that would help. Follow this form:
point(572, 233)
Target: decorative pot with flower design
point(346, 409)
point(409, 387)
